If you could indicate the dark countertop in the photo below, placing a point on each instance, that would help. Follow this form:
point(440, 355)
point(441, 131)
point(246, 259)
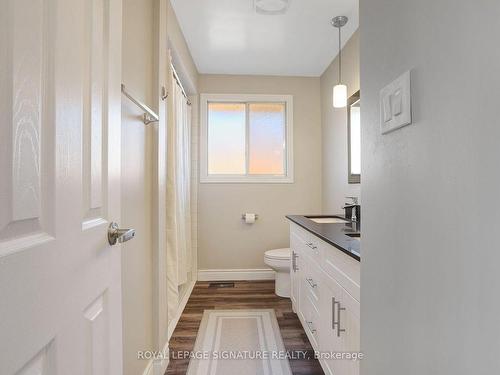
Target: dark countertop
point(334, 233)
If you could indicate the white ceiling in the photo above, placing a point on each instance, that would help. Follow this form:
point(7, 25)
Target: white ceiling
point(229, 37)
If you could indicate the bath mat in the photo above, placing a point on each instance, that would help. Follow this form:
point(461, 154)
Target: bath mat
point(239, 342)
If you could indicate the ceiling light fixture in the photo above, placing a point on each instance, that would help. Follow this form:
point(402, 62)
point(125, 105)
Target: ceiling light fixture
point(339, 90)
point(271, 7)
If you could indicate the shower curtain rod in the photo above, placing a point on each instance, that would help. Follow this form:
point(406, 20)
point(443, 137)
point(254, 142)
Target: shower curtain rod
point(177, 79)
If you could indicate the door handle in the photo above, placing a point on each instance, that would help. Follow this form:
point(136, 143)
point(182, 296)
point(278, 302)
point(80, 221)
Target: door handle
point(337, 323)
point(115, 234)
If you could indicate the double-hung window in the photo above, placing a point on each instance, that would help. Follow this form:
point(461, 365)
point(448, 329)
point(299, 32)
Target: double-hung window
point(246, 138)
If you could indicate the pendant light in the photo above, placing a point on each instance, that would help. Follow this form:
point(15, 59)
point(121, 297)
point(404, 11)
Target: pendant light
point(339, 90)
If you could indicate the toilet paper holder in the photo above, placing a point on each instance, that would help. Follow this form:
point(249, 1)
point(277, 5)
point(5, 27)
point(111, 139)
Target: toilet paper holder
point(243, 216)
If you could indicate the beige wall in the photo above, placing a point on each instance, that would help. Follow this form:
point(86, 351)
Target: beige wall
point(334, 128)
point(137, 280)
point(140, 76)
point(224, 241)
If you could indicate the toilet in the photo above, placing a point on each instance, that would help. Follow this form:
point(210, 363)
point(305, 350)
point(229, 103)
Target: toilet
point(279, 261)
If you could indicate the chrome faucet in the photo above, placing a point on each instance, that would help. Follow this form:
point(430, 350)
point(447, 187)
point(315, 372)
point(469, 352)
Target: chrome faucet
point(353, 206)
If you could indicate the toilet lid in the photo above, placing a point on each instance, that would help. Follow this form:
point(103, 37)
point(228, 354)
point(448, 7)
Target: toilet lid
point(278, 253)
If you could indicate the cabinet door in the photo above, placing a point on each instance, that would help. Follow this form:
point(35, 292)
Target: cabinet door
point(349, 321)
point(295, 270)
point(295, 279)
point(329, 339)
point(303, 301)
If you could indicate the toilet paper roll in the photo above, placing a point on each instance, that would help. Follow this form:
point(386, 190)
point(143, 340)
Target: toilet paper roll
point(249, 218)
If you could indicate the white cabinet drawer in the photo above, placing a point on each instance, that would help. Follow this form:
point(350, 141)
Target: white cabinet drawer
point(311, 281)
point(312, 321)
point(311, 284)
point(310, 300)
point(342, 268)
point(306, 242)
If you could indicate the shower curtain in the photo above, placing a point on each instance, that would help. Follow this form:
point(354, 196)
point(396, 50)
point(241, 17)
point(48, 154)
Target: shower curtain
point(179, 246)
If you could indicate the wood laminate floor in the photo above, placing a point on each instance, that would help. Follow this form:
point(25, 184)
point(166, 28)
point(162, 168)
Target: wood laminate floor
point(244, 295)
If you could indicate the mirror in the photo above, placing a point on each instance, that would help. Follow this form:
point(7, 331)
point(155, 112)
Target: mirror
point(354, 139)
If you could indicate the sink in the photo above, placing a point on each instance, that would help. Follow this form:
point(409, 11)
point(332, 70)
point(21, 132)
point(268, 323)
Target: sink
point(328, 220)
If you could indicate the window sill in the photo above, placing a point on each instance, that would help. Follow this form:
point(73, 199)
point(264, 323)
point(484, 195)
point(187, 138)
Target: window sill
point(246, 180)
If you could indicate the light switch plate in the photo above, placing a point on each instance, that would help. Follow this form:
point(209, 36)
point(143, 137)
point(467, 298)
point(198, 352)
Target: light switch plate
point(395, 104)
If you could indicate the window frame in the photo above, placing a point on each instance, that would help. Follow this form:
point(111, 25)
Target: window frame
point(246, 99)
point(351, 177)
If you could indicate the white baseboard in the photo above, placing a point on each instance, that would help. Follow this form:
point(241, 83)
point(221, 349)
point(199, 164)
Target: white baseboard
point(149, 368)
point(236, 274)
point(158, 366)
point(182, 305)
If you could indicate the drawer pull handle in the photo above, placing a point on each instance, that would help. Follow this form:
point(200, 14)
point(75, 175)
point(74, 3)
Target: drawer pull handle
point(310, 325)
point(311, 245)
point(337, 323)
point(311, 283)
point(294, 261)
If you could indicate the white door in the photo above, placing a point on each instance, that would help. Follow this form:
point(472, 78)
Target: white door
point(60, 297)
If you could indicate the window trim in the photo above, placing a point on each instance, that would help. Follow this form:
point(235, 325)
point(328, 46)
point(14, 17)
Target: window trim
point(351, 177)
point(287, 178)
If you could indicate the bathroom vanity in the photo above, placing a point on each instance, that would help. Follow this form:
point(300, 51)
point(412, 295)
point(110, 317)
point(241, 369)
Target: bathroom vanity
point(325, 286)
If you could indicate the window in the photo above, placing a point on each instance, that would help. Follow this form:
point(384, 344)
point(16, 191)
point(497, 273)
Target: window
point(246, 138)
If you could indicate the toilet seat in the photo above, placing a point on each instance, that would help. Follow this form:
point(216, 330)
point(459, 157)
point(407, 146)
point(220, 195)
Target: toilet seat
point(281, 254)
